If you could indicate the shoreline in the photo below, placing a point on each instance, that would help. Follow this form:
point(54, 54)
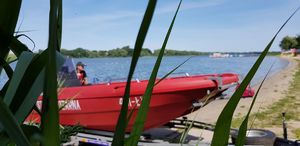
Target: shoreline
point(255, 84)
point(280, 81)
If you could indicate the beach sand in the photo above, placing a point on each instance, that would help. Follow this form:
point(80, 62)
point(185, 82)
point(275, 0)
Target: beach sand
point(272, 90)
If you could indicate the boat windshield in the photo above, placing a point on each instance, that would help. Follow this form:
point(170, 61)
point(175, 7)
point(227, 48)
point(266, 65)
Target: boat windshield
point(67, 74)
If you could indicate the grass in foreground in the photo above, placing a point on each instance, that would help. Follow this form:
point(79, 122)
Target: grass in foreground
point(297, 133)
point(271, 116)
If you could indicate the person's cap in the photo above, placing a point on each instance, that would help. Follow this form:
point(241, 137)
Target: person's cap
point(80, 64)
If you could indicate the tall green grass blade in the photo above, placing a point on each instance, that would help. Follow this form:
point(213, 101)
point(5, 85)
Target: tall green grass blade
point(118, 138)
point(4, 88)
point(24, 88)
point(33, 133)
point(3, 54)
point(166, 75)
point(35, 90)
point(4, 140)
point(50, 116)
point(7, 68)
point(32, 71)
point(24, 35)
point(9, 13)
point(21, 67)
point(144, 108)
point(222, 129)
point(187, 128)
point(24, 93)
point(17, 47)
point(27, 75)
point(11, 126)
point(243, 128)
point(59, 24)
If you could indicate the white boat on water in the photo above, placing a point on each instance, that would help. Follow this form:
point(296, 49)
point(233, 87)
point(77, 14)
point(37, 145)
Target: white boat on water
point(220, 55)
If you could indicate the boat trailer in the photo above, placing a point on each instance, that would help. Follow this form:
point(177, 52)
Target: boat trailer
point(167, 135)
point(170, 135)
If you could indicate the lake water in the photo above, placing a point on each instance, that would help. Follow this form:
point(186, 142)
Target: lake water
point(117, 68)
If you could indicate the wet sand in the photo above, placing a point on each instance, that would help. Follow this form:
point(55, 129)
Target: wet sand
point(272, 90)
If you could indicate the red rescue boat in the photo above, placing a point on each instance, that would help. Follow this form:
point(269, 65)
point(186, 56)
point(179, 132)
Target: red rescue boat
point(98, 106)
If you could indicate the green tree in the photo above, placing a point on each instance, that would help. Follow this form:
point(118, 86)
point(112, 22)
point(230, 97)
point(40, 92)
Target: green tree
point(102, 53)
point(146, 52)
point(117, 53)
point(298, 41)
point(93, 54)
point(128, 49)
point(288, 43)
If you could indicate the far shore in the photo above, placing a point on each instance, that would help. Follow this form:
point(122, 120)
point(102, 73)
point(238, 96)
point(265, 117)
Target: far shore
point(273, 89)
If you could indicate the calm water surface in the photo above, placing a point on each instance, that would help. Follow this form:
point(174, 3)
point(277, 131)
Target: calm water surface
point(117, 68)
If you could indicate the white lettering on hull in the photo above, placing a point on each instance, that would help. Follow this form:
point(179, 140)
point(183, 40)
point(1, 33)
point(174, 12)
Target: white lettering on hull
point(69, 105)
point(133, 101)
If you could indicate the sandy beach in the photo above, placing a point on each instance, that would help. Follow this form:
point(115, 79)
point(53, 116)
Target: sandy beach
point(272, 90)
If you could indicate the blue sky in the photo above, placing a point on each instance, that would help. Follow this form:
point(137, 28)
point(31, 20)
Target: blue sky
point(201, 25)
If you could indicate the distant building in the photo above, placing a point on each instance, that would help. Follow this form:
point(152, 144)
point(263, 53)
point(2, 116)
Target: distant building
point(292, 52)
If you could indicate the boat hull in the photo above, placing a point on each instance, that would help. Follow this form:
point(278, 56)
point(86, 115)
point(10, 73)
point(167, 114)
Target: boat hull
point(98, 106)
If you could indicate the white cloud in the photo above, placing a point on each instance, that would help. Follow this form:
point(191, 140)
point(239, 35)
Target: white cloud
point(187, 5)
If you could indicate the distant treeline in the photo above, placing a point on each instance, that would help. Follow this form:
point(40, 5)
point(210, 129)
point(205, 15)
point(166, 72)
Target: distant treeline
point(124, 52)
point(127, 51)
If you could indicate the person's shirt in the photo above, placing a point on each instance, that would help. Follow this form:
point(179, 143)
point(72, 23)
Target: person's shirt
point(82, 77)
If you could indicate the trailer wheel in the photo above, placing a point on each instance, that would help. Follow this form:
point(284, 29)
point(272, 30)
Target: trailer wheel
point(257, 137)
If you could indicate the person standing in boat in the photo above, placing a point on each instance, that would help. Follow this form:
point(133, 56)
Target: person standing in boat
point(81, 74)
